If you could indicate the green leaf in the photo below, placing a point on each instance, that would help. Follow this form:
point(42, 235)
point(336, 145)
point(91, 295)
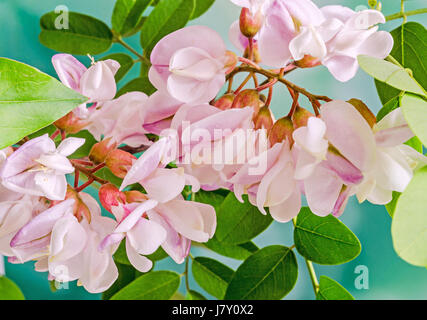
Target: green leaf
point(194, 295)
point(201, 7)
point(391, 206)
point(127, 274)
point(84, 150)
point(414, 109)
point(268, 274)
point(409, 226)
point(324, 240)
point(106, 174)
point(388, 107)
point(84, 35)
point(126, 63)
point(9, 290)
point(331, 290)
point(167, 17)
point(30, 100)
point(237, 251)
point(410, 50)
point(127, 16)
point(238, 222)
point(390, 73)
point(141, 84)
point(211, 275)
point(120, 256)
point(155, 285)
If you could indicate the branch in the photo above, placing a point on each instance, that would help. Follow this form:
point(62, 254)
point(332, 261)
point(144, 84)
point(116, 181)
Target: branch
point(405, 14)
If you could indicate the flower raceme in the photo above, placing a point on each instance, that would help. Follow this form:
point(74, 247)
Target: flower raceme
point(195, 136)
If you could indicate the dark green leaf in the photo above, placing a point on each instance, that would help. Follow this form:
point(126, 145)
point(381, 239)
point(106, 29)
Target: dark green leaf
point(120, 256)
point(211, 275)
point(126, 276)
point(9, 290)
point(239, 222)
point(391, 206)
point(127, 16)
point(388, 107)
point(155, 285)
point(139, 84)
point(201, 7)
point(84, 150)
point(84, 35)
point(268, 274)
point(106, 174)
point(324, 240)
point(235, 251)
point(167, 16)
point(194, 295)
point(126, 63)
point(331, 290)
point(30, 100)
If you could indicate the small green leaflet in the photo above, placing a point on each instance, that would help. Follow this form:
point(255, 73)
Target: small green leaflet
point(9, 290)
point(331, 290)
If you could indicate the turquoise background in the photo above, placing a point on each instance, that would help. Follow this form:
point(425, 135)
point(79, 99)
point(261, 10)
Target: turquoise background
point(389, 276)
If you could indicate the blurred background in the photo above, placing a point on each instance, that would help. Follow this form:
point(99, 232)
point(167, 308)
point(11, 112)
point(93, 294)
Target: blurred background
point(389, 276)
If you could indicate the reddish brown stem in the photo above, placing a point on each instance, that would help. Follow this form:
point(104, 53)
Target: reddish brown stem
point(76, 178)
point(55, 134)
point(98, 167)
point(270, 96)
point(267, 85)
point(243, 83)
point(85, 185)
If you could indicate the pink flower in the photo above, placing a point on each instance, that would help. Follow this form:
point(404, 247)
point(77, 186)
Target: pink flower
point(38, 168)
point(184, 221)
point(337, 41)
point(190, 64)
point(143, 237)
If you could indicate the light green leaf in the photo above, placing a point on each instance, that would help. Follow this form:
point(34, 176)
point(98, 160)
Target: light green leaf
point(155, 285)
point(30, 100)
point(141, 84)
point(126, 63)
point(127, 16)
point(194, 295)
point(211, 275)
point(84, 35)
point(409, 226)
point(331, 290)
point(238, 222)
point(410, 50)
point(414, 109)
point(9, 290)
point(324, 240)
point(390, 73)
point(268, 274)
point(167, 16)
point(201, 7)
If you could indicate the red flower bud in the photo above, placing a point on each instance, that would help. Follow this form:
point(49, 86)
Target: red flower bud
point(248, 98)
point(264, 119)
point(100, 150)
point(119, 162)
point(300, 117)
point(250, 23)
point(225, 102)
point(70, 123)
point(364, 111)
point(110, 196)
point(80, 209)
point(282, 130)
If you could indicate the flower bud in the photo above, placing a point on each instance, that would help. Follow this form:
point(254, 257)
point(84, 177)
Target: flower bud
point(230, 62)
point(110, 196)
point(248, 98)
point(135, 196)
point(307, 62)
point(70, 123)
point(300, 117)
point(225, 102)
point(80, 209)
point(364, 111)
point(372, 3)
point(282, 130)
point(250, 23)
point(100, 150)
point(119, 162)
point(263, 119)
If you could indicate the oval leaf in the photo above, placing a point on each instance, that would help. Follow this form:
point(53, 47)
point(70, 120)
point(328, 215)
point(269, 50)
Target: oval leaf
point(409, 226)
point(201, 7)
point(390, 73)
point(211, 275)
point(331, 290)
point(127, 16)
point(167, 16)
point(194, 295)
point(9, 290)
point(235, 251)
point(30, 100)
point(324, 240)
point(268, 274)
point(414, 109)
point(238, 222)
point(126, 63)
point(83, 34)
point(155, 285)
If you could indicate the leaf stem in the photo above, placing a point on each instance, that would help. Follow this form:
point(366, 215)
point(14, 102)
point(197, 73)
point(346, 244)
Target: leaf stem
point(187, 284)
point(404, 15)
point(140, 56)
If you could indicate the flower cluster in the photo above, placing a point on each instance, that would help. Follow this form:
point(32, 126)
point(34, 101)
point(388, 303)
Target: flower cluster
point(202, 140)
